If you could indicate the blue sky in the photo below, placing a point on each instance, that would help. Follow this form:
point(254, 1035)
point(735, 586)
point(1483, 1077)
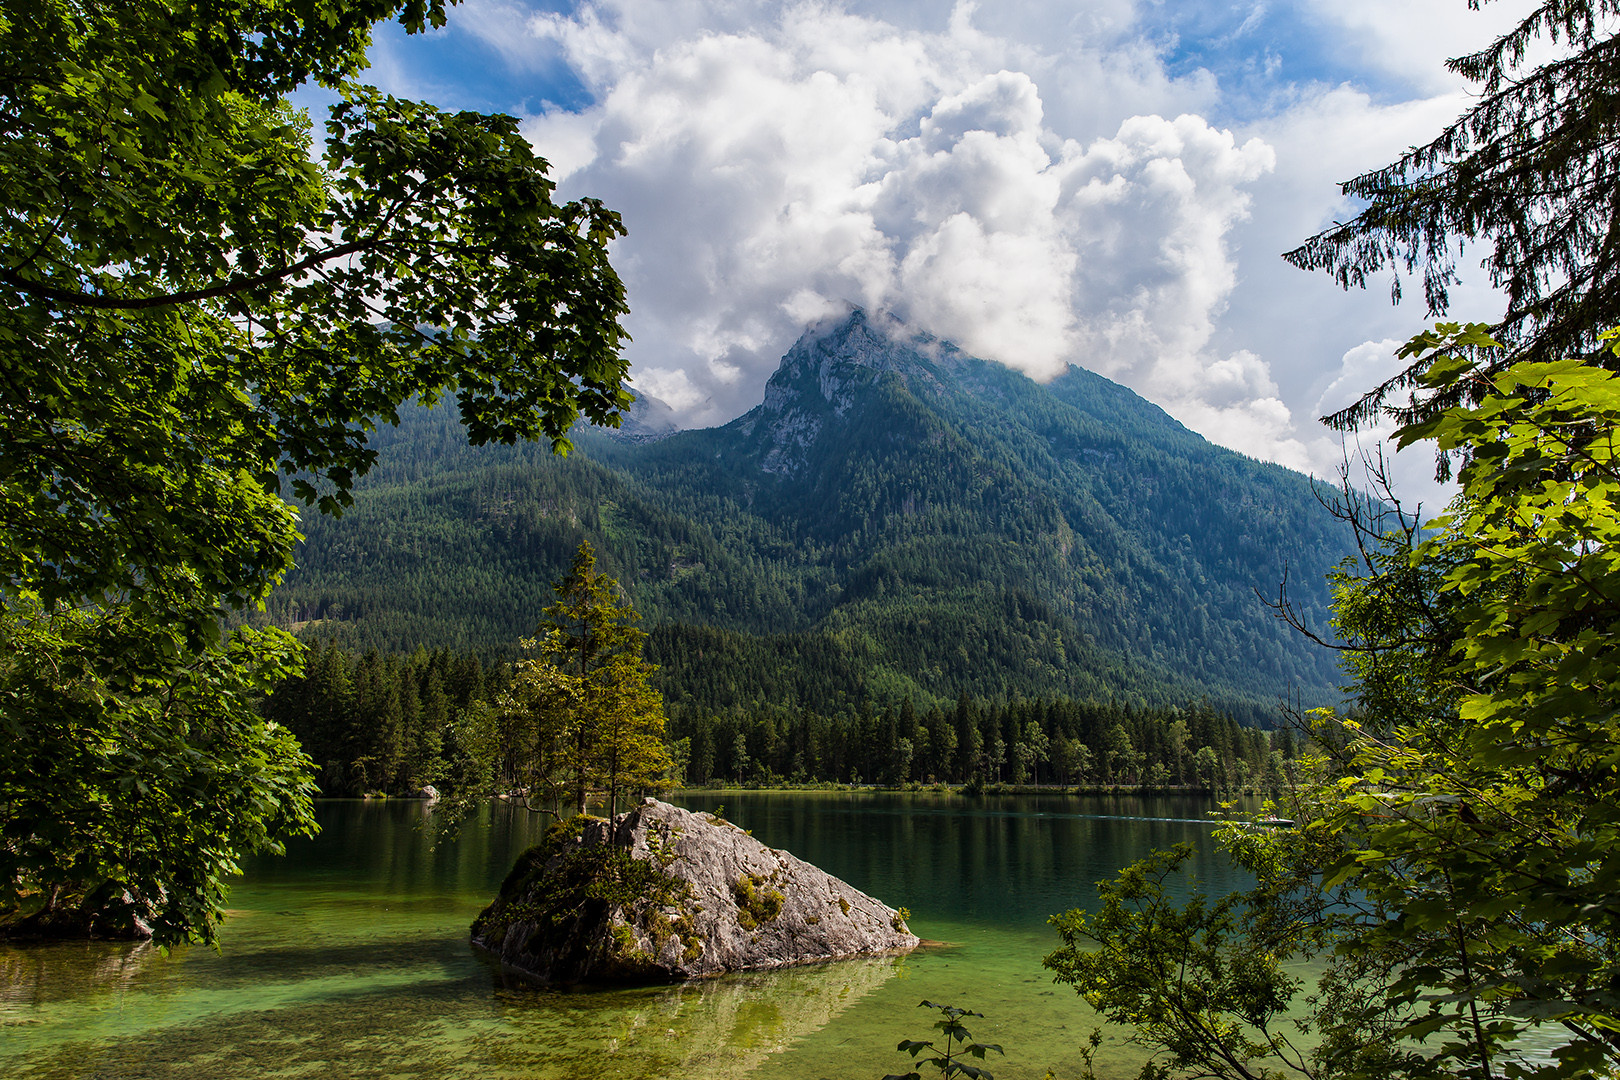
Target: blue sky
point(1256, 50)
point(1106, 183)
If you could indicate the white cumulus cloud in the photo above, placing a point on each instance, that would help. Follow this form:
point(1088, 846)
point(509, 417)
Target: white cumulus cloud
point(770, 168)
point(1043, 184)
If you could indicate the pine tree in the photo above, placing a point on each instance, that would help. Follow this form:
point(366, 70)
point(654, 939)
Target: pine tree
point(464, 679)
point(941, 744)
point(887, 766)
point(630, 749)
point(323, 727)
point(424, 733)
point(968, 739)
point(1529, 172)
point(592, 722)
point(371, 740)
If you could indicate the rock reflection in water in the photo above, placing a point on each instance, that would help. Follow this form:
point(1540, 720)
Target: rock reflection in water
point(37, 974)
point(713, 1028)
point(79, 1010)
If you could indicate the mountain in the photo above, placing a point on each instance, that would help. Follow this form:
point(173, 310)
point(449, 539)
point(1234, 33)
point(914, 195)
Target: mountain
point(896, 519)
point(647, 420)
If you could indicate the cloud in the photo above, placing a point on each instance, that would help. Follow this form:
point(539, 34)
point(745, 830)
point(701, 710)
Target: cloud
point(1412, 470)
point(1151, 212)
point(503, 26)
point(1410, 39)
point(771, 168)
point(671, 386)
point(1360, 369)
point(1043, 184)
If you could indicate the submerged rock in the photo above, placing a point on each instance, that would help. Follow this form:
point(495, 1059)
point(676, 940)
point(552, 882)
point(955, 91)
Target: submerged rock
point(662, 894)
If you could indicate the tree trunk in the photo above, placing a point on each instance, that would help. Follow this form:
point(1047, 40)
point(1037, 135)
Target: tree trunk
point(579, 772)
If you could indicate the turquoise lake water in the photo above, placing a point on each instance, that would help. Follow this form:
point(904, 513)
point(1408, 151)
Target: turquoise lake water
point(349, 957)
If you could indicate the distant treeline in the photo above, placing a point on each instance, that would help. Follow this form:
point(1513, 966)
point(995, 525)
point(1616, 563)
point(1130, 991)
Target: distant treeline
point(376, 723)
point(1004, 645)
point(988, 742)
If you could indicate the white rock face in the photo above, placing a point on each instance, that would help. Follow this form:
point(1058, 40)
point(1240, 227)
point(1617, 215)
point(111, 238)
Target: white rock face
point(824, 375)
point(734, 905)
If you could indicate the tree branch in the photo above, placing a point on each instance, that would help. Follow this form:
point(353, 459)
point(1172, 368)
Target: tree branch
point(103, 302)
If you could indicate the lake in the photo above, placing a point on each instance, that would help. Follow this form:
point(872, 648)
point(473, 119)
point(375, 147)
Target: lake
point(349, 957)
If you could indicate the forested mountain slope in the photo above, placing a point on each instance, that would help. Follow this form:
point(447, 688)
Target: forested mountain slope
point(896, 519)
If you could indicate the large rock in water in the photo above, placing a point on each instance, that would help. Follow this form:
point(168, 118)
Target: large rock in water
point(661, 894)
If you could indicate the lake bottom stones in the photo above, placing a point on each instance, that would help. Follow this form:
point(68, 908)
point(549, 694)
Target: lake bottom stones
point(662, 894)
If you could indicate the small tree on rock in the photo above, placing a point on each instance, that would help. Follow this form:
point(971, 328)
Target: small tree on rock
point(580, 715)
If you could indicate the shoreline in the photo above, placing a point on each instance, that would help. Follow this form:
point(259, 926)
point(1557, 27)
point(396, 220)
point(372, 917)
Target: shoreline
point(962, 790)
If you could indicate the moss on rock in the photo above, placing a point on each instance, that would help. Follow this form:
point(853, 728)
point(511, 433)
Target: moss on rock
point(662, 894)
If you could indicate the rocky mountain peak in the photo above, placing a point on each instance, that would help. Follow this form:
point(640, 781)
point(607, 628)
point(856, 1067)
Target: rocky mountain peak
point(647, 420)
point(839, 356)
point(824, 373)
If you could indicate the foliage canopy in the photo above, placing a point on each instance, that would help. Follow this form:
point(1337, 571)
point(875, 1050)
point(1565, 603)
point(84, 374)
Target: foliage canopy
point(1456, 858)
point(580, 716)
point(196, 318)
